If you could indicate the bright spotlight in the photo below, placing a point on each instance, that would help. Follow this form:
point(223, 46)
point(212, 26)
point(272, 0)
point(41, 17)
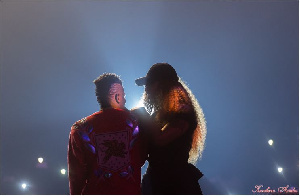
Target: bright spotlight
point(63, 171)
point(140, 103)
point(279, 169)
point(24, 185)
point(270, 142)
point(40, 160)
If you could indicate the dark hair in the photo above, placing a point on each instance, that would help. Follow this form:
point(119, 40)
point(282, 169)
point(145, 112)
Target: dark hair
point(103, 84)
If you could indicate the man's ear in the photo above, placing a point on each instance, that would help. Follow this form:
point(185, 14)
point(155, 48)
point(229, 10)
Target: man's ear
point(117, 98)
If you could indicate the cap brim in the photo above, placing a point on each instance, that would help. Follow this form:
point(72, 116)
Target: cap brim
point(141, 81)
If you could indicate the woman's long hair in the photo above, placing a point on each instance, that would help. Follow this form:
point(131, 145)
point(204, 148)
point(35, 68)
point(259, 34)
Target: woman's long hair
point(198, 142)
point(177, 98)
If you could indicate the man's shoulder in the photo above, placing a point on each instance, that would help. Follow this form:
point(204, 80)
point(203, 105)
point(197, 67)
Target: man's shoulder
point(83, 123)
point(113, 113)
point(115, 110)
point(79, 125)
point(86, 123)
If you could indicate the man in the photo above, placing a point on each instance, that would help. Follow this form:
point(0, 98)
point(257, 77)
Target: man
point(177, 131)
point(104, 155)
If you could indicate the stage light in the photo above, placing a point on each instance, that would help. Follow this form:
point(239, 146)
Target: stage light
point(279, 169)
point(140, 103)
point(63, 171)
point(40, 160)
point(24, 185)
point(270, 142)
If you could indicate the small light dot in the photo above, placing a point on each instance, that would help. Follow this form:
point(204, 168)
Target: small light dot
point(40, 160)
point(63, 171)
point(24, 186)
point(280, 169)
point(270, 142)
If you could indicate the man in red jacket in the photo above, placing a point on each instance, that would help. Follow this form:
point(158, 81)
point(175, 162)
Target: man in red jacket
point(105, 153)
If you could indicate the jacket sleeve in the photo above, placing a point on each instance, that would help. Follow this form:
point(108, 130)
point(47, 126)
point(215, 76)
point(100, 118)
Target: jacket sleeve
point(76, 164)
point(143, 119)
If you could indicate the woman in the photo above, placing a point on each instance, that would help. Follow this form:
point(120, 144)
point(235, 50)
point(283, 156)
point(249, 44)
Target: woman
point(176, 131)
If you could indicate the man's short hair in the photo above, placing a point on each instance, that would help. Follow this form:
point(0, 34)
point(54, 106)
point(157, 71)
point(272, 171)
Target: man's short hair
point(103, 84)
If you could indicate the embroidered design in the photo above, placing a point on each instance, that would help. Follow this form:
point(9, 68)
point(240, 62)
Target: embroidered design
point(84, 136)
point(128, 173)
point(113, 150)
point(107, 175)
point(84, 129)
point(124, 174)
point(81, 124)
point(132, 123)
point(135, 131)
point(129, 123)
point(91, 148)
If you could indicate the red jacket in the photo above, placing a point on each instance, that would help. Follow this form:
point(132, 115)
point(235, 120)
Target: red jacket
point(105, 155)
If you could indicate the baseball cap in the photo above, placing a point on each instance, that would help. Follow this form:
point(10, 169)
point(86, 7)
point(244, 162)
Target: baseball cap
point(162, 72)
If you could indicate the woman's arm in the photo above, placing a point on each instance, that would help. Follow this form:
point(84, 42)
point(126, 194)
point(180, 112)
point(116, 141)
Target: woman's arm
point(170, 132)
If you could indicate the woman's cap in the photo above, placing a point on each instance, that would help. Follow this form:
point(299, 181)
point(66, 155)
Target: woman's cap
point(162, 72)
